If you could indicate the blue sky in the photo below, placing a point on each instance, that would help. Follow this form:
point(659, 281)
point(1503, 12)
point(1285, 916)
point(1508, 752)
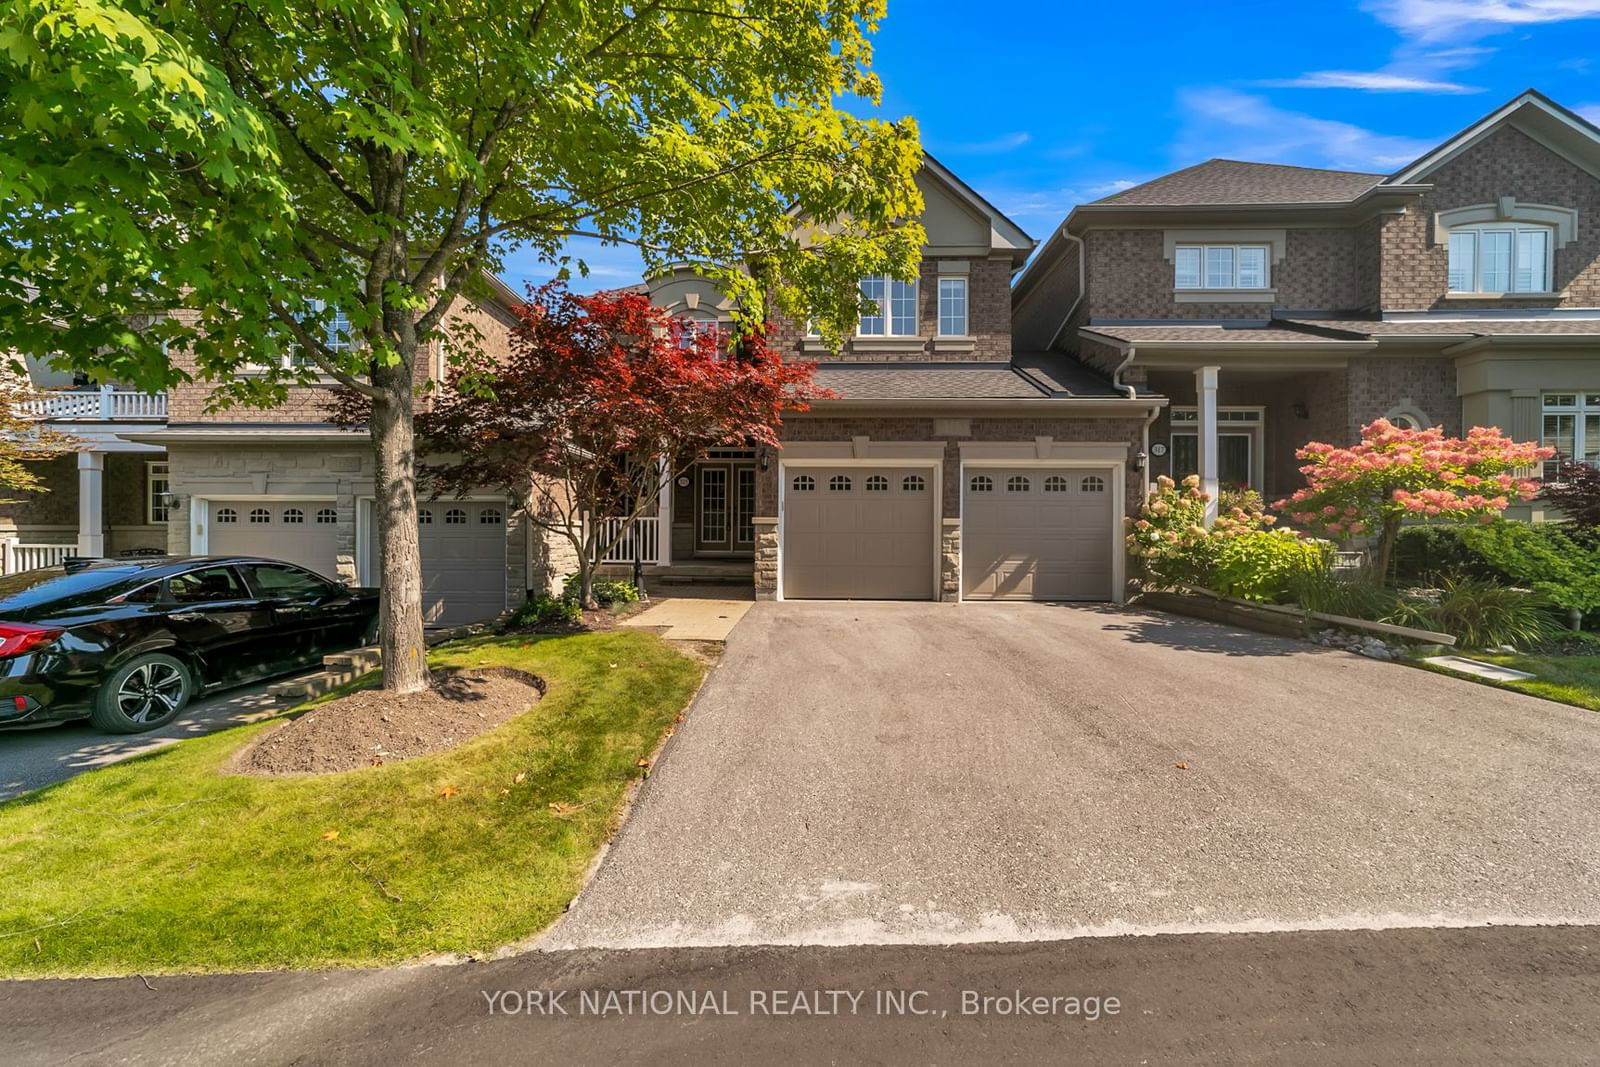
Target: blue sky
point(1053, 103)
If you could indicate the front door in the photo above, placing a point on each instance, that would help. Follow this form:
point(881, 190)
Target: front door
point(725, 508)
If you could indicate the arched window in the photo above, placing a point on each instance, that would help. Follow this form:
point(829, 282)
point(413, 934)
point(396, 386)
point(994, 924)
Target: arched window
point(490, 517)
point(260, 515)
point(1018, 483)
point(327, 516)
point(839, 483)
point(293, 516)
point(877, 483)
point(803, 483)
point(913, 483)
point(1055, 484)
point(226, 515)
point(1093, 483)
point(981, 483)
point(455, 517)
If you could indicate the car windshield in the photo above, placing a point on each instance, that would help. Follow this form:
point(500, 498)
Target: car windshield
point(60, 587)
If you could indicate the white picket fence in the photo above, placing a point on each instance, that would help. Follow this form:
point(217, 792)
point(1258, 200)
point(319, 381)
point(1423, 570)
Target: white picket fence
point(646, 530)
point(106, 404)
point(16, 556)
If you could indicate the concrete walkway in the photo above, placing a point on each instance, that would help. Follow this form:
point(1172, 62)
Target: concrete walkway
point(695, 613)
point(940, 773)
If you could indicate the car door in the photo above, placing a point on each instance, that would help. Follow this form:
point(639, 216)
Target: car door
point(311, 616)
point(212, 612)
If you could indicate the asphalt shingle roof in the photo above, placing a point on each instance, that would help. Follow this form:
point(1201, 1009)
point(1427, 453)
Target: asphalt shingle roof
point(1451, 327)
point(1227, 181)
point(926, 381)
point(1239, 335)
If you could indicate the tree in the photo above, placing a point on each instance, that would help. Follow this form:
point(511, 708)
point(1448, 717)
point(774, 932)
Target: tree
point(319, 180)
point(22, 442)
point(600, 398)
point(1576, 491)
point(1395, 474)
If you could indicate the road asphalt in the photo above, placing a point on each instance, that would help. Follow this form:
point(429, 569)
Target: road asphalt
point(1483, 996)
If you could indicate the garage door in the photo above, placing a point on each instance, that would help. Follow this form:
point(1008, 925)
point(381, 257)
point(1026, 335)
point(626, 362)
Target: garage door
point(463, 545)
point(300, 531)
point(1037, 534)
point(858, 533)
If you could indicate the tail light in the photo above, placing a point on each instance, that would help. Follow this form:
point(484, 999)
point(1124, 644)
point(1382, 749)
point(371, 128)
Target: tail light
point(17, 638)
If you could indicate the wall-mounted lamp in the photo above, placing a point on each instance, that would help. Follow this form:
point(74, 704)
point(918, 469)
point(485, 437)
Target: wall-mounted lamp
point(766, 460)
point(1300, 410)
point(167, 499)
point(1139, 460)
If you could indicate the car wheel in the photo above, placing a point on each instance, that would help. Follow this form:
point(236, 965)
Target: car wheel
point(143, 694)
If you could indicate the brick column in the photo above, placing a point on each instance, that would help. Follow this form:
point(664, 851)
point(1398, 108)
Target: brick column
point(950, 561)
point(766, 568)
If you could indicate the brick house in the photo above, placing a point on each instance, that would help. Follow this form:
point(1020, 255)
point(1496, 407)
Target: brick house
point(1275, 305)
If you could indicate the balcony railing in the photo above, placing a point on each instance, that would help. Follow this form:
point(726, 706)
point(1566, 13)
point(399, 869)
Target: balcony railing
point(646, 530)
point(15, 556)
point(106, 404)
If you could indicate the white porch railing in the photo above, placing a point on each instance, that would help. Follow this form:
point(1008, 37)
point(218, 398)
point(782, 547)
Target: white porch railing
point(106, 404)
point(647, 530)
point(15, 556)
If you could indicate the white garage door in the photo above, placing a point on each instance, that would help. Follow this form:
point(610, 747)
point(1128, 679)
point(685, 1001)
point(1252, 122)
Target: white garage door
point(1037, 534)
point(463, 545)
point(300, 531)
point(858, 533)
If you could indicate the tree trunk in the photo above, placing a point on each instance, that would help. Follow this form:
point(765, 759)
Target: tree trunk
point(405, 660)
point(1391, 530)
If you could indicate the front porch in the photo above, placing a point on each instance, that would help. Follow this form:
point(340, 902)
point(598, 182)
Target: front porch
point(703, 531)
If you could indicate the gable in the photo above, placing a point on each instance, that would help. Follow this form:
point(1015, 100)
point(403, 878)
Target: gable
point(1558, 130)
point(1509, 163)
point(960, 222)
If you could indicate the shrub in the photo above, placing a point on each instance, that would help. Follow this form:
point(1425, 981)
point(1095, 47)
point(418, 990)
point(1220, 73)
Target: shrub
point(1576, 491)
point(1481, 614)
point(1262, 565)
point(607, 591)
point(545, 611)
point(1544, 556)
point(1316, 587)
point(1170, 537)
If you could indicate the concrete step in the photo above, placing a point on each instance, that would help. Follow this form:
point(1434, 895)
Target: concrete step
point(313, 685)
point(361, 659)
point(722, 578)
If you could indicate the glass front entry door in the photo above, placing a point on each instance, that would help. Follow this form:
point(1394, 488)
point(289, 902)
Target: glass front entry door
point(725, 507)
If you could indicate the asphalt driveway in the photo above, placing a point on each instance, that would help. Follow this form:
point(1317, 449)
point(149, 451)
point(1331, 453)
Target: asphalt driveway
point(902, 773)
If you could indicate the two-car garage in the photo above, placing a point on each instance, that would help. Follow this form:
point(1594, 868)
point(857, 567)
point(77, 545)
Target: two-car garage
point(1036, 530)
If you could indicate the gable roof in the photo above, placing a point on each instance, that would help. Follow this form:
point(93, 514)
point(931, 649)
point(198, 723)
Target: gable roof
point(1004, 230)
point(1230, 181)
point(1560, 129)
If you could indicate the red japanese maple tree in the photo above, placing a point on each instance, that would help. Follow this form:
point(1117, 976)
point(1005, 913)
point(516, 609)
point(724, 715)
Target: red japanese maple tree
point(600, 398)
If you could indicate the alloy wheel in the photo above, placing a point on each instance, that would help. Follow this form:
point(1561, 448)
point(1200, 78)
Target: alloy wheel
point(150, 692)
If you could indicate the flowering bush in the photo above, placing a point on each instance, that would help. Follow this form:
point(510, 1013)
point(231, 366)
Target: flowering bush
point(1171, 540)
point(1264, 565)
point(1396, 474)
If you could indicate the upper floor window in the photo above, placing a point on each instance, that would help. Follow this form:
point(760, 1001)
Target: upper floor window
point(1220, 267)
point(1500, 258)
point(698, 325)
point(952, 307)
point(1572, 428)
point(896, 308)
point(332, 328)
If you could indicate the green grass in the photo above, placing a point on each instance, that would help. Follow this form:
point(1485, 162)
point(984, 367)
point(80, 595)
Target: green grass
point(1569, 679)
point(161, 864)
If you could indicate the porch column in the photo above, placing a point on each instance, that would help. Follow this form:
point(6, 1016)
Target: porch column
point(91, 510)
point(1205, 389)
point(664, 514)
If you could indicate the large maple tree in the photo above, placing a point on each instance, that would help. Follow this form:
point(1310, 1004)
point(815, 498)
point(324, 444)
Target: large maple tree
point(602, 400)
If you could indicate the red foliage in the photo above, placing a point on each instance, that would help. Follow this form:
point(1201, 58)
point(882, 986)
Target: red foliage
point(1576, 491)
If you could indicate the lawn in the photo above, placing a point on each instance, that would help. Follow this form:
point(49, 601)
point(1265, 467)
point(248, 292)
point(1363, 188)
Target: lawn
point(161, 864)
point(1569, 679)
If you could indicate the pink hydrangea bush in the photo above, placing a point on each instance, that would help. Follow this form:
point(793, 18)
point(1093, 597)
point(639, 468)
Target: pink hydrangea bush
point(1169, 536)
point(1395, 474)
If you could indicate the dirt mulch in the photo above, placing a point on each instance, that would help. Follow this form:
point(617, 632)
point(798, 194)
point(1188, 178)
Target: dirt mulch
point(369, 728)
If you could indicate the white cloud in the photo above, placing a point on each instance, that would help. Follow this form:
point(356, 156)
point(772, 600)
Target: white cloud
point(1235, 125)
point(1008, 142)
point(609, 266)
point(1371, 81)
point(1053, 205)
point(1434, 20)
point(1590, 112)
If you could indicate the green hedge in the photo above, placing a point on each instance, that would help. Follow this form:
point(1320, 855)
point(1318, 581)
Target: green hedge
point(1541, 556)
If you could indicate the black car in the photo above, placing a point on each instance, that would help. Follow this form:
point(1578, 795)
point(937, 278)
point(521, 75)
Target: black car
point(127, 643)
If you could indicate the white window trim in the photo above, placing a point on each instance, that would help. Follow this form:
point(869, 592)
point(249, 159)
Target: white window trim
point(1231, 293)
point(150, 474)
point(1579, 409)
point(1248, 421)
point(886, 309)
point(1514, 228)
point(966, 307)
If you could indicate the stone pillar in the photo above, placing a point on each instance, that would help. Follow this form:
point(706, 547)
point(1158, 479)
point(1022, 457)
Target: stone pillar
point(91, 504)
point(1205, 389)
point(950, 561)
point(766, 558)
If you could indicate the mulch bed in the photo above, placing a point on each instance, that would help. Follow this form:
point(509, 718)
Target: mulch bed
point(370, 727)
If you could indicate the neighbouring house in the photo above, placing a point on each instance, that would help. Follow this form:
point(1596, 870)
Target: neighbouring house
point(1276, 305)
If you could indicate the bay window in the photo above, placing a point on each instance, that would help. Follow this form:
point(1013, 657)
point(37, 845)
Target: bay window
point(1572, 428)
point(1500, 258)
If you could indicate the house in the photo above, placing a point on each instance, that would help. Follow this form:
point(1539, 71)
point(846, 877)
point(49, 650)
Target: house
point(1276, 305)
point(950, 463)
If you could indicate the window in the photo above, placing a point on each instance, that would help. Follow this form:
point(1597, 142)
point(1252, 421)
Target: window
point(1017, 484)
point(213, 583)
point(1093, 483)
point(260, 515)
point(839, 483)
point(981, 483)
point(1572, 428)
point(157, 481)
point(1220, 267)
point(896, 302)
point(1055, 484)
point(1238, 430)
point(334, 327)
point(952, 307)
point(424, 516)
point(490, 517)
point(227, 515)
point(877, 483)
point(293, 516)
point(698, 325)
point(455, 517)
point(803, 483)
point(269, 580)
point(326, 516)
point(913, 483)
point(1500, 258)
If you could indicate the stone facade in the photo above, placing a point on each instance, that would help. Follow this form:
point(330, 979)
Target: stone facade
point(766, 563)
point(950, 561)
point(988, 323)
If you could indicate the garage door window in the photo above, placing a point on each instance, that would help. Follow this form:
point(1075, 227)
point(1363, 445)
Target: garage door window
point(1017, 484)
point(260, 515)
point(227, 515)
point(1094, 484)
point(293, 515)
point(1055, 484)
point(803, 483)
point(327, 516)
point(877, 484)
point(839, 484)
point(982, 483)
point(913, 483)
point(455, 517)
point(424, 517)
point(490, 517)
